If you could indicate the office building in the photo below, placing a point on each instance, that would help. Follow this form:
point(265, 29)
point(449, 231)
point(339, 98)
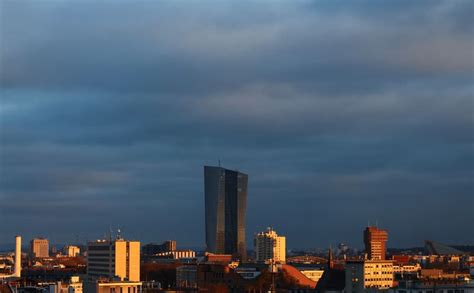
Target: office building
point(368, 274)
point(72, 251)
point(39, 248)
point(269, 246)
point(225, 205)
point(114, 259)
point(375, 243)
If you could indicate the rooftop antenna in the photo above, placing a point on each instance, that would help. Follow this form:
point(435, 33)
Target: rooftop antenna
point(376, 223)
point(119, 233)
point(110, 232)
point(219, 162)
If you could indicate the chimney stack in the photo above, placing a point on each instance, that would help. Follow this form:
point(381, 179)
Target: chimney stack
point(17, 272)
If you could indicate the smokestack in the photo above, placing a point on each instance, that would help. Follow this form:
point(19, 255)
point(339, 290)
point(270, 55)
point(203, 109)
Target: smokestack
point(17, 272)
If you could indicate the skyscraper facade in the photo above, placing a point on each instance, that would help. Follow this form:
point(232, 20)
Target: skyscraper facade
point(225, 204)
point(375, 243)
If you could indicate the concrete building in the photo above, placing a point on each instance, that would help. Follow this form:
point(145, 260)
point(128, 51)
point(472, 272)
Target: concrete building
point(269, 246)
point(406, 269)
point(71, 251)
point(225, 205)
point(39, 248)
point(375, 242)
point(362, 275)
point(73, 286)
point(113, 286)
point(312, 274)
point(114, 259)
point(178, 254)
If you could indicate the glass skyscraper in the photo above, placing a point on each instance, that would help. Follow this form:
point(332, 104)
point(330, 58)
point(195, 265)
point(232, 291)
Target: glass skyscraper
point(226, 201)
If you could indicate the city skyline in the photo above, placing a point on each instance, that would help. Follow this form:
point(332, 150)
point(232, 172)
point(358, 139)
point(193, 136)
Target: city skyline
point(339, 114)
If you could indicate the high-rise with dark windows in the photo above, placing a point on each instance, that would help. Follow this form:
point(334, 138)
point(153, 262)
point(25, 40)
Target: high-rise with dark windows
point(226, 201)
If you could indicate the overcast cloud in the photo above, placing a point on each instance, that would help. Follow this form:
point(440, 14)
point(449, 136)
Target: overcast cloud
point(341, 113)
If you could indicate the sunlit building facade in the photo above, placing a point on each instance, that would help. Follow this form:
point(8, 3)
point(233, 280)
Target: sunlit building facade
point(113, 259)
point(368, 274)
point(375, 243)
point(269, 246)
point(39, 247)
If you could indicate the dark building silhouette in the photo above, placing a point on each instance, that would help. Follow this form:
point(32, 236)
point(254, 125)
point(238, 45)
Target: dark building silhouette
point(375, 242)
point(152, 248)
point(225, 204)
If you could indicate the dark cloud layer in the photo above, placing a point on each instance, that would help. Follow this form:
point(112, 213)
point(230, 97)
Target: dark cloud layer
point(341, 113)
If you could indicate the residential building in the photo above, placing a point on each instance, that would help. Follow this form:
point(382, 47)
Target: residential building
point(375, 242)
point(39, 248)
point(225, 205)
point(365, 274)
point(269, 246)
point(114, 259)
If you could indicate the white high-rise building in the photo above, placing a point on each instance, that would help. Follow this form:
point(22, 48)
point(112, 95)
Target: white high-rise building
point(269, 246)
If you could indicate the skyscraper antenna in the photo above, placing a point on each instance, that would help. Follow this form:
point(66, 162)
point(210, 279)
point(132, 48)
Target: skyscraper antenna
point(110, 232)
point(219, 162)
point(377, 223)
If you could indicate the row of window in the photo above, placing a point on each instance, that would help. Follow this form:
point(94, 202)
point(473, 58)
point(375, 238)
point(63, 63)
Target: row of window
point(378, 279)
point(381, 273)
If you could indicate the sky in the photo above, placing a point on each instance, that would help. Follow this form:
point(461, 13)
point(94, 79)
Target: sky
point(342, 113)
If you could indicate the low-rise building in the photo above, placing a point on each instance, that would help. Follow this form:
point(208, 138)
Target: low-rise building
point(178, 254)
point(434, 286)
point(364, 274)
point(112, 286)
point(73, 286)
point(312, 274)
